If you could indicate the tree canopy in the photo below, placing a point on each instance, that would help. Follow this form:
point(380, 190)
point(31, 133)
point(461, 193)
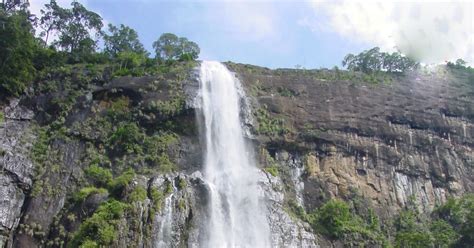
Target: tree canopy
point(51, 20)
point(171, 47)
point(17, 47)
point(77, 28)
point(71, 35)
point(122, 39)
point(374, 60)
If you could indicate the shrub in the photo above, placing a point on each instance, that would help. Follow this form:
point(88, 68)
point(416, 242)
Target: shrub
point(443, 233)
point(138, 194)
point(89, 244)
point(467, 226)
point(168, 108)
point(101, 227)
point(119, 108)
point(156, 148)
point(337, 220)
point(413, 239)
point(450, 211)
point(100, 176)
point(406, 221)
point(268, 125)
point(41, 146)
point(459, 213)
point(119, 184)
point(182, 183)
point(127, 138)
point(273, 170)
point(157, 198)
point(333, 218)
point(48, 57)
point(87, 191)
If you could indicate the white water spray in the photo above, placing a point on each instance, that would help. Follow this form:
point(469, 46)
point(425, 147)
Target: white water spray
point(165, 231)
point(236, 211)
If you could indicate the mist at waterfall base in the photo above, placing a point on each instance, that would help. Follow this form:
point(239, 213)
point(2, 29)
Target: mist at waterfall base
point(236, 211)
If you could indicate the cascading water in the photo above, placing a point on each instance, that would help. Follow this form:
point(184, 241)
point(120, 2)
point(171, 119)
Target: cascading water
point(165, 231)
point(236, 210)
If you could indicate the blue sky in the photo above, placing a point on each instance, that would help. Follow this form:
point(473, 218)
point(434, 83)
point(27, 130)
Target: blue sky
point(223, 34)
point(285, 33)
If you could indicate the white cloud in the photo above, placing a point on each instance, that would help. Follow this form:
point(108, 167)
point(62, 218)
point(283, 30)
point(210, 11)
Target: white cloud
point(245, 20)
point(430, 31)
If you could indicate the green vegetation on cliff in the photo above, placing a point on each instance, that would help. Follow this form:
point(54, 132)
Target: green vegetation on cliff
point(449, 225)
point(17, 49)
point(77, 31)
point(81, 105)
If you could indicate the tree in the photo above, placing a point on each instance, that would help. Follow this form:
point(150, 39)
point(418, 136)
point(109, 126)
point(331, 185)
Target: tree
point(14, 5)
point(52, 19)
point(189, 50)
point(373, 60)
point(166, 47)
point(17, 47)
point(130, 60)
point(76, 27)
point(171, 47)
point(122, 39)
point(461, 63)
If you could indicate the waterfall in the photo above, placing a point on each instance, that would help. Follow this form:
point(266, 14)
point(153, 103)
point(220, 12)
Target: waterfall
point(165, 231)
point(236, 210)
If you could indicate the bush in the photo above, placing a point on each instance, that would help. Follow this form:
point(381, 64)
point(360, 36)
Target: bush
point(127, 138)
point(333, 218)
point(119, 184)
point(337, 220)
point(268, 125)
point(413, 239)
point(48, 57)
point(459, 213)
point(156, 148)
point(273, 170)
point(406, 221)
point(138, 194)
point(89, 244)
point(118, 107)
point(41, 147)
point(443, 233)
point(87, 191)
point(157, 198)
point(101, 176)
point(101, 227)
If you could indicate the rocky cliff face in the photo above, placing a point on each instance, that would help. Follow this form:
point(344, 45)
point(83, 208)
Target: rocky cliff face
point(409, 138)
point(317, 135)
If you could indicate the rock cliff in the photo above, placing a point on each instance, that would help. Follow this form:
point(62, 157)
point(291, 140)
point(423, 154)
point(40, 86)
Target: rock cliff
point(66, 150)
